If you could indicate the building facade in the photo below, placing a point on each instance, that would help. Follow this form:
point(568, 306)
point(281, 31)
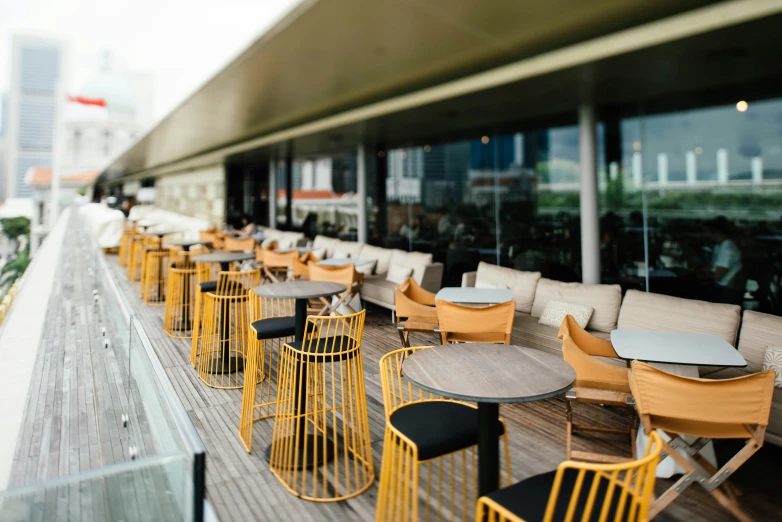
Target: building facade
point(612, 145)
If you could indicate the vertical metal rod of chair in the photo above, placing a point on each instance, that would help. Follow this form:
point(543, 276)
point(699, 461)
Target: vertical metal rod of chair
point(181, 290)
point(156, 271)
point(272, 325)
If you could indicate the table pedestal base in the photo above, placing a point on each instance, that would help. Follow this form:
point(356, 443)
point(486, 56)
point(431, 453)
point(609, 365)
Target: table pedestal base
point(308, 448)
point(222, 365)
point(488, 447)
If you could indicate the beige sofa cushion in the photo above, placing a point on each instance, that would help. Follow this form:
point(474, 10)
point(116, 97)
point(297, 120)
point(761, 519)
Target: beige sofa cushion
point(522, 284)
point(604, 299)
point(377, 289)
point(647, 311)
point(415, 260)
point(529, 333)
point(326, 242)
point(383, 256)
point(343, 249)
point(758, 330)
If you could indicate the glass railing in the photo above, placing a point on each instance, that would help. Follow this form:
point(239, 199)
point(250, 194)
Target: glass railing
point(151, 463)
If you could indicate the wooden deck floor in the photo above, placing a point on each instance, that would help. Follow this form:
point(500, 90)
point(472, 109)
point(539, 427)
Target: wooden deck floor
point(77, 395)
point(241, 487)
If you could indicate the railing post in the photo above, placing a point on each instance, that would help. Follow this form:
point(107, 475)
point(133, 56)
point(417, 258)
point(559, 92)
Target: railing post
point(199, 485)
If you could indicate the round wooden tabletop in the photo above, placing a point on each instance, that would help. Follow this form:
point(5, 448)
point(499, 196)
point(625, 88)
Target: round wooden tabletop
point(188, 242)
point(224, 257)
point(162, 233)
point(489, 372)
point(300, 289)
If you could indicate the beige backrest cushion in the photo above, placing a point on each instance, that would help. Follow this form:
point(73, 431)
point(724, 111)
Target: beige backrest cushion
point(603, 299)
point(522, 284)
point(349, 249)
point(383, 256)
point(326, 242)
point(647, 311)
point(758, 331)
point(415, 260)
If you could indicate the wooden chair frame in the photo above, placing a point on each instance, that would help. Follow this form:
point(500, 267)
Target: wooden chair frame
point(741, 408)
point(346, 275)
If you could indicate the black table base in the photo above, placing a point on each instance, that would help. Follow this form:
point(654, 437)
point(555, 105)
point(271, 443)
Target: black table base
point(222, 365)
point(488, 447)
point(308, 442)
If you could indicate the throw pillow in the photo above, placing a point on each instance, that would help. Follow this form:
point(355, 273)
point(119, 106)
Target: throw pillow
point(366, 268)
point(773, 361)
point(398, 274)
point(555, 313)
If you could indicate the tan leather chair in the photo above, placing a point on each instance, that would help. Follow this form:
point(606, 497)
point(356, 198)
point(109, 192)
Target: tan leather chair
point(278, 266)
point(261, 250)
point(705, 409)
point(597, 382)
point(475, 324)
point(415, 310)
point(238, 245)
point(346, 275)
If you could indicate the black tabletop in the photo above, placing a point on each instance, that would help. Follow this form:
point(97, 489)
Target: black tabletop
point(300, 289)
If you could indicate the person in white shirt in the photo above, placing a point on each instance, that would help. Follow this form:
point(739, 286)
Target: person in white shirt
point(726, 256)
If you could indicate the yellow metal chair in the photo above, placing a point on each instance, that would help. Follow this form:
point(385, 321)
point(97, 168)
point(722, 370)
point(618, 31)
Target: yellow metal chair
point(272, 325)
point(181, 290)
point(135, 257)
point(231, 244)
point(346, 275)
point(278, 266)
point(147, 244)
point(431, 438)
point(579, 491)
point(124, 245)
point(597, 382)
point(220, 355)
point(475, 324)
point(321, 448)
point(415, 310)
point(703, 409)
point(156, 269)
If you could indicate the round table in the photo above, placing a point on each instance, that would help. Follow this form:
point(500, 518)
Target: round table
point(224, 258)
point(302, 292)
point(187, 243)
point(162, 234)
point(146, 225)
point(489, 374)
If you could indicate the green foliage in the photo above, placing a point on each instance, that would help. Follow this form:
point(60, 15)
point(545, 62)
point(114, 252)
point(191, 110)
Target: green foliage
point(614, 196)
point(14, 268)
point(15, 227)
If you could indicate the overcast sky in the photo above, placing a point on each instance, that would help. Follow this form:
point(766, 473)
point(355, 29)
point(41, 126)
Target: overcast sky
point(182, 42)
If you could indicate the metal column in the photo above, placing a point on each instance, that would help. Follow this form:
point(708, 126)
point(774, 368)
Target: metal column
point(590, 211)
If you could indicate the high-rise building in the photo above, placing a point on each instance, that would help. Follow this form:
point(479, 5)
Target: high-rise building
point(36, 68)
point(3, 141)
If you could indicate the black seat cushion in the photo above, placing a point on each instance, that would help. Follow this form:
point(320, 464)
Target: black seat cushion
point(209, 286)
point(322, 350)
point(275, 327)
point(529, 498)
point(438, 427)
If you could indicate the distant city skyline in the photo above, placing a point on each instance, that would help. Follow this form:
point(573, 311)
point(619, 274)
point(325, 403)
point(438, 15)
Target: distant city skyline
point(143, 35)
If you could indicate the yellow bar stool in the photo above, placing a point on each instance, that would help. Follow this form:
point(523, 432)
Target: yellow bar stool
point(156, 268)
point(148, 244)
point(206, 280)
point(135, 257)
point(320, 446)
point(124, 246)
point(180, 295)
point(222, 349)
point(272, 325)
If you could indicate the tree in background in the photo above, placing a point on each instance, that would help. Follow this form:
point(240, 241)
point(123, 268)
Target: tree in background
point(15, 227)
point(17, 230)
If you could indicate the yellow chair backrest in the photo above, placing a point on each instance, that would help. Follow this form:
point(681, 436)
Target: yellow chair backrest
point(580, 349)
point(345, 274)
point(702, 407)
point(398, 391)
point(235, 282)
point(585, 341)
point(260, 251)
point(485, 324)
point(279, 260)
point(238, 245)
